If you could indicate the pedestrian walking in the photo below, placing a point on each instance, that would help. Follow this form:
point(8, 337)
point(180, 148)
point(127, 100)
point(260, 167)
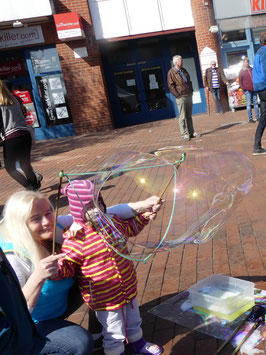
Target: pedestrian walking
point(16, 139)
point(259, 82)
point(180, 86)
point(212, 81)
point(246, 84)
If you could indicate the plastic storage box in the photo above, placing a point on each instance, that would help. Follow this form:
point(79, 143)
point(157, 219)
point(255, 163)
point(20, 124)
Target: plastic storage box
point(223, 296)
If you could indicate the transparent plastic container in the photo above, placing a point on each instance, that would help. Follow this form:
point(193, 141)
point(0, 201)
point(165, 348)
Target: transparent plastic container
point(223, 296)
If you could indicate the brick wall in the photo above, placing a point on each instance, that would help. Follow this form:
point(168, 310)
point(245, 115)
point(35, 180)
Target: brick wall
point(83, 76)
point(204, 18)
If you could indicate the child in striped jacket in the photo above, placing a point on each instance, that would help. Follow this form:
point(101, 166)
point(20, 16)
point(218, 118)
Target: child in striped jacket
point(107, 280)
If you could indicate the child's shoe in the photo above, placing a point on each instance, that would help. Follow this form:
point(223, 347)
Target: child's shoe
point(143, 347)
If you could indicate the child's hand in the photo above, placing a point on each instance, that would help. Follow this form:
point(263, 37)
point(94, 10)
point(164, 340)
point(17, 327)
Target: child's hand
point(152, 203)
point(150, 215)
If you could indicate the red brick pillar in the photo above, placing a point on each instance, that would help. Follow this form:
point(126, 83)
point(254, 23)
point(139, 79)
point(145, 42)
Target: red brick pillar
point(203, 15)
point(83, 76)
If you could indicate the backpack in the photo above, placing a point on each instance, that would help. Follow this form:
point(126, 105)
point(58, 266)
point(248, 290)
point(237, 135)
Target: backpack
point(18, 334)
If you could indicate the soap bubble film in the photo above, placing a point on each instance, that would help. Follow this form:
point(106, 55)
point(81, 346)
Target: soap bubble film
point(200, 188)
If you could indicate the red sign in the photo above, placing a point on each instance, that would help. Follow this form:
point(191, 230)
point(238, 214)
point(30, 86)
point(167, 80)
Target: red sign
point(69, 26)
point(258, 6)
point(11, 68)
point(30, 118)
point(24, 95)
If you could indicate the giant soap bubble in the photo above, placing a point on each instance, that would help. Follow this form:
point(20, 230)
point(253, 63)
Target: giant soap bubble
point(200, 189)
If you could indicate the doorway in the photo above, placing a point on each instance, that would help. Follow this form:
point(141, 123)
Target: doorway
point(136, 77)
point(139, 94)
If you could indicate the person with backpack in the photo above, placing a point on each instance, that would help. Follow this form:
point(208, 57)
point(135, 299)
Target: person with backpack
point(17, 140)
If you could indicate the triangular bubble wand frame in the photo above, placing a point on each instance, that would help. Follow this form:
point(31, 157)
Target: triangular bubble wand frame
point(175, 164)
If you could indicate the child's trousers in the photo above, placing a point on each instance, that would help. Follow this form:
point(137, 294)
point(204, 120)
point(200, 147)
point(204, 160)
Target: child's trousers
point(120, 325)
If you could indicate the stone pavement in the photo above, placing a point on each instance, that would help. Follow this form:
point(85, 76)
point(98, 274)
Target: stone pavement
point(239, 250)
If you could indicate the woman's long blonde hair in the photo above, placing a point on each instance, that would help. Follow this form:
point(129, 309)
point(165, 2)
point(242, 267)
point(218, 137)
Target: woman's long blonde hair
point(6, 98)
point(13, 227)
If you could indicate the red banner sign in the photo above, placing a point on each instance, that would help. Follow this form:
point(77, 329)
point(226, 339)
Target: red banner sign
point(24, 95)
point(30, 118)
point(11, 68)
point(258, 6)
point(69, 26)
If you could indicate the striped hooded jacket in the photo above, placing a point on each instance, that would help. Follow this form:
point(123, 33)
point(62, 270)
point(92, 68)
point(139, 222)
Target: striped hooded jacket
point(107, 280)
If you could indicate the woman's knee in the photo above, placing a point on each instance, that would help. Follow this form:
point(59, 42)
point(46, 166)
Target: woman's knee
point(69, 337)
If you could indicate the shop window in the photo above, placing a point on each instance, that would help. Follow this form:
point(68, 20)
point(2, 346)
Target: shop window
point(51, 87)
point(117, 52)
point(233, 36)
point(234, 58)
point(256, 32)
point(149, 48)
point(179, 44)
point(45, 60)
point(13, 65)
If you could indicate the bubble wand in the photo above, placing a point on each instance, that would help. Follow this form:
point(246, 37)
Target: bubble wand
point(171, 178)
point(258, 315)
point(61, 175)
point(255, 312)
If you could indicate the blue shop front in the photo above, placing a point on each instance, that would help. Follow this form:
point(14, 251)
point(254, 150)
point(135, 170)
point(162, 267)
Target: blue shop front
point(34, 74)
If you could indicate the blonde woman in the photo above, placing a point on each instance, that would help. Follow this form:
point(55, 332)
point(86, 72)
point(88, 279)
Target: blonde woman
point(16, 140)
point(26, 232)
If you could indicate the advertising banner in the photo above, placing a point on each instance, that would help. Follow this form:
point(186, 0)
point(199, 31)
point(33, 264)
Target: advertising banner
point(13, 67)
point(16, 37)
point(69, 26)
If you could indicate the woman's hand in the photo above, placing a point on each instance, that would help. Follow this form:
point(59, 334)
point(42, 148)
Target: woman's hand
point(48, 267)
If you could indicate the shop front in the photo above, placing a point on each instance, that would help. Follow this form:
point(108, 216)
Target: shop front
point(34, 74)
point(240, 25)
point(136, 77)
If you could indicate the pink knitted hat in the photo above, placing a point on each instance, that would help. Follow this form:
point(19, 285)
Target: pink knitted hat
point(79, 190)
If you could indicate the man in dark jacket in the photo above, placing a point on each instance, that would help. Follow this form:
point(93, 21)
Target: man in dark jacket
point(246, 84)
point(212, 81)
point(259, 82)
point(180, 86)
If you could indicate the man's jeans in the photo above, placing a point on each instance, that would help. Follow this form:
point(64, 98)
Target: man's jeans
point(262, 122)
point(216, 96)
point(251, 96)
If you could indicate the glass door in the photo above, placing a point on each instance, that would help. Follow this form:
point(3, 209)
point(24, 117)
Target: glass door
point(154, 89)
point(127, 92)
point(140, 95)
point(49, 93)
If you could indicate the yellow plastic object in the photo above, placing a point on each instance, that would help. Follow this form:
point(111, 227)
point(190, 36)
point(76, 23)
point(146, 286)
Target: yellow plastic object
point(223, 296)
point(231, 316)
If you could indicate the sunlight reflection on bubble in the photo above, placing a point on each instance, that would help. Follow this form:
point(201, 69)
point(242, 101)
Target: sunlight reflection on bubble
point(200, 193)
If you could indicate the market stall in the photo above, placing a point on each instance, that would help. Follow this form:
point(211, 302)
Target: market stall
point(236, 96)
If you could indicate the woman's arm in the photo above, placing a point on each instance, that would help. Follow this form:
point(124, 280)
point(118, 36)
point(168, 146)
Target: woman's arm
point(46, 269)
point(32, 282)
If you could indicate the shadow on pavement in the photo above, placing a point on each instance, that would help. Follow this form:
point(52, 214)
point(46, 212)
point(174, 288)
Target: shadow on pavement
point(226, 126)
